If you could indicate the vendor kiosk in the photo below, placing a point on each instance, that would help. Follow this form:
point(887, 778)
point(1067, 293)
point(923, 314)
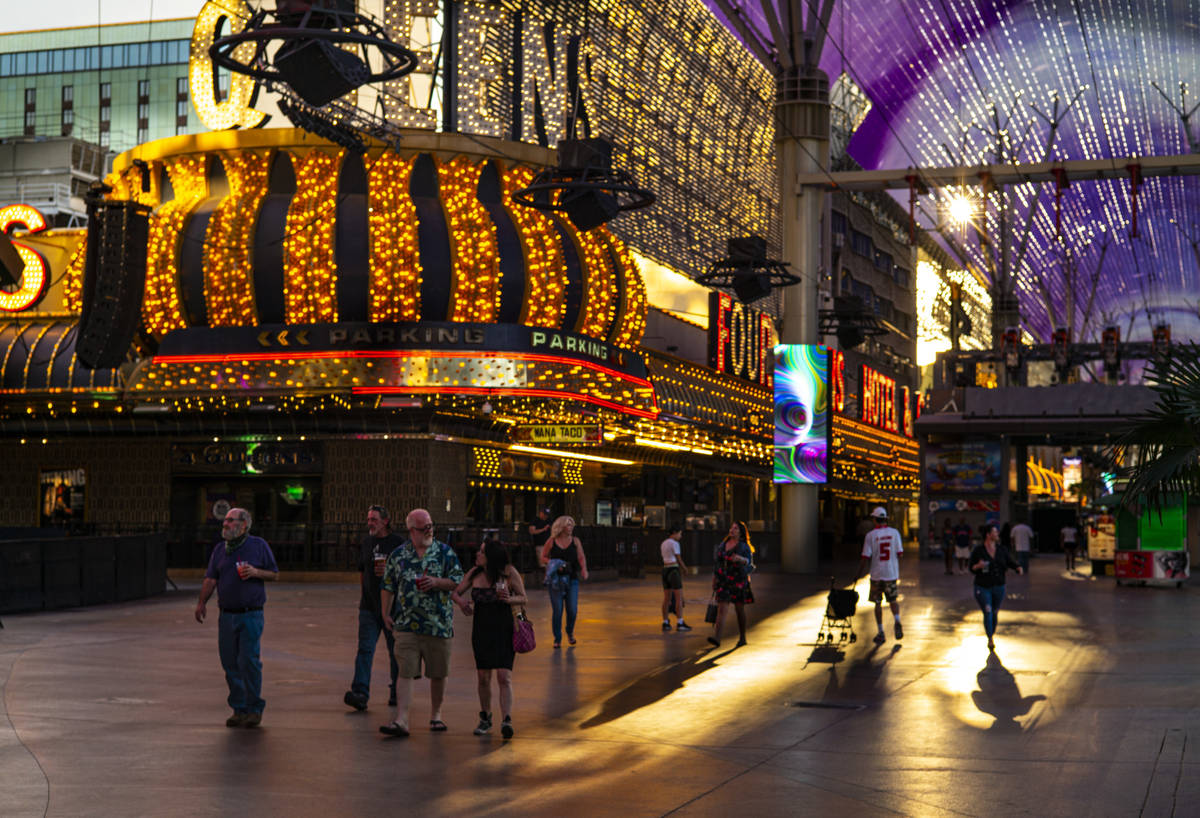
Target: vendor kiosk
point(1152, 547)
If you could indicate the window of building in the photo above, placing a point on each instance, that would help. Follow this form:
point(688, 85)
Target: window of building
point(143, 135)
point(837, 223)
point(106, 93)
point(68, 95)
point(901, 276)
point(861, 243)
point(106, 115)
point(143, 89)
point(30, 123)
point(143, 110)
point(30, 97)
point(105, 138)
point(883, 262)
point(68, 121)
point(181, 87)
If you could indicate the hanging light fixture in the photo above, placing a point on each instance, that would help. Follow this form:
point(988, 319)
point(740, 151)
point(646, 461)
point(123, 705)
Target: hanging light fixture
point(747, 271)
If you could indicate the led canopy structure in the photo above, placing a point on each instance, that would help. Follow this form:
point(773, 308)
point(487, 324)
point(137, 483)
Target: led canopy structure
point(802, 416)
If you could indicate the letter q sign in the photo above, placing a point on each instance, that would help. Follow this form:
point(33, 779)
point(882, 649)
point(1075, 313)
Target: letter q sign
point(35, 277)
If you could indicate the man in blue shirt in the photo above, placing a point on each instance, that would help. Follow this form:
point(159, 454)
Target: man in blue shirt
point(237, 569)
point(421, 577)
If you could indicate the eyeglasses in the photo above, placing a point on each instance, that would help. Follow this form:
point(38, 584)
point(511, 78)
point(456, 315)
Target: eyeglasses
point(425, 529)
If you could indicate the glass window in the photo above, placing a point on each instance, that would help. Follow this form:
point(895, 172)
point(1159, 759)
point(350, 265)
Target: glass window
point(68, 93)
point(68, 116)
point(93, 57)
point(143, 135)
point(105, 91)
point(143, 110)
point(30, 96)
point(105, 139)
point(143, 88)
point(181, 86)
point(68, 55)
point(6, 64)
point(29, 119)
point(56, 61)
point(106, 56)
point(181, 108)
point(838, 222)
point(43, 62)
point(105, 113)
point(860, 243)
point(19, 63)
point(901, 277)
point(180, 129)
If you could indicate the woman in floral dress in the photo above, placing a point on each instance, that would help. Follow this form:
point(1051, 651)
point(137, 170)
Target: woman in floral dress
point(733, 560)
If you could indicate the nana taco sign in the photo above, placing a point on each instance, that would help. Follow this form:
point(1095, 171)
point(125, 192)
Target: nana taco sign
point(582, 433)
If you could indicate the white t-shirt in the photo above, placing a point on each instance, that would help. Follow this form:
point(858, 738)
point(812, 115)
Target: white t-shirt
point(1069, 533)
point(670, 551)
point(884, 547)
point(1021, 535)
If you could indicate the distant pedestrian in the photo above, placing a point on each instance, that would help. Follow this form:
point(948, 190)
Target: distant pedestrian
point(948, 546)
point(539, 529)
point(733, 562)
point(881, 552)
point(563, 545)
point(672, 579)
point(421, 577)
point(373, 552)
point(1068, 539)
point(237, 569)
point(488, 592)
point(962, 545)
point(1022, 538)
point(989, 563)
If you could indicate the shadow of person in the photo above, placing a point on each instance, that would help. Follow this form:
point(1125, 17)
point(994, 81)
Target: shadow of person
point(648, 689)
point(999, 697)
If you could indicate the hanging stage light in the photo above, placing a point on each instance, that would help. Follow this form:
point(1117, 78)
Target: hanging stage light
point(584, 186)
point(747, 271)
point(850, 321)
point(311, 57)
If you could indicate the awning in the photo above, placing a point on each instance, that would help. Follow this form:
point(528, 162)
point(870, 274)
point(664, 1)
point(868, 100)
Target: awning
point(40, 357)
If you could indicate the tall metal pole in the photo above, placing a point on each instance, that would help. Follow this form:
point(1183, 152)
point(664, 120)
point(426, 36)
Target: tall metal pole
point(802, 146)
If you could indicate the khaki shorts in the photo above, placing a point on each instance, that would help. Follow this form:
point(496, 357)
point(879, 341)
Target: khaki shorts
point(411, 649)
point(885, 588)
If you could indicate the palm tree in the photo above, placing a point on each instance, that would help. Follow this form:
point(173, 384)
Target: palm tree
point(1159, 452)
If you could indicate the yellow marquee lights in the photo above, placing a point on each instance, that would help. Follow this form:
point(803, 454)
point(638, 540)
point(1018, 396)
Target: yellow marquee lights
point(72, 285)
point(601, 287)
point(415, 21)
point(571, 455)
point(161, 308)
point(394, 256)
point(229, 239)
point(476, 257)
point(34, 276)
point(545, 294)
point(630, 331)
point(309, 267)
point(234, 111)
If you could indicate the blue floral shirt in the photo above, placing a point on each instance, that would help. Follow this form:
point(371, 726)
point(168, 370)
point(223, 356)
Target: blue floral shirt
point(430, 613)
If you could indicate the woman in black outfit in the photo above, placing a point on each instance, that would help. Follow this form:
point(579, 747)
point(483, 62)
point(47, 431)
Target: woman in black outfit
point(989, 562)
point(495, 587)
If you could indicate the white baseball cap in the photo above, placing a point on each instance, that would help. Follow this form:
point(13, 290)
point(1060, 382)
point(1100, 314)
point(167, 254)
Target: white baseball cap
point(879, 512)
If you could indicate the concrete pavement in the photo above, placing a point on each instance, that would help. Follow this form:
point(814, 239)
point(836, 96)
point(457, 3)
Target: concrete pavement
point(1088, 707)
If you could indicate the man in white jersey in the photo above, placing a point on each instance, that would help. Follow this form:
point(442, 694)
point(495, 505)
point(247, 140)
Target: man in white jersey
point(882, 549)
point(1022, 536)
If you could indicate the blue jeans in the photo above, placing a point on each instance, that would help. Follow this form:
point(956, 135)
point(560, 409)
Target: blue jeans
point(557, 598)
point(369, 628)
point(238, 637)
point(989, 600)
point(1023, 561)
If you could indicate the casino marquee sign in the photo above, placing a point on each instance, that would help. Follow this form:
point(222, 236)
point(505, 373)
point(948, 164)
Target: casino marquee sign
point(425, 358)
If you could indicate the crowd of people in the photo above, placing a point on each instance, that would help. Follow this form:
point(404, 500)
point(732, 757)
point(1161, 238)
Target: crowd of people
point(409, 589)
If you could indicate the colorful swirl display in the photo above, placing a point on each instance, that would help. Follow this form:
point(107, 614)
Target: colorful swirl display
point(801, 413)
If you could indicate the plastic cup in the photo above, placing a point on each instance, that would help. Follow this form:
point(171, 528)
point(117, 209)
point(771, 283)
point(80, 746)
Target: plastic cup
point(380, 562)
point(241, 568)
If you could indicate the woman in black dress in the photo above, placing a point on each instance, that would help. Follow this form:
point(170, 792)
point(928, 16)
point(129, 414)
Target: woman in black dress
point(732, 563)
point(495, 586)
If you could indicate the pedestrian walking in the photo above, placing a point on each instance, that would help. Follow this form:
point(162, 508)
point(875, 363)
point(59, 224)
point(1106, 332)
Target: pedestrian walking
point(237, 569)
point(881, 553)
point(1068, 537)
point(948, 546)
point(962, 545)
point(672, 580)
point(989, 563)
point(1022, 538)
point(488, 592)
point(733, 562)
point(373, 552)
point(421, 578)
point(564, 546)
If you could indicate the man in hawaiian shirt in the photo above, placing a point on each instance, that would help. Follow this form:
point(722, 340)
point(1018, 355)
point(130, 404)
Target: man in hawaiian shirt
point(420, 577)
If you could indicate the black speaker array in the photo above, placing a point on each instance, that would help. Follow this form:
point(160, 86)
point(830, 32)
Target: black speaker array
point(114, 280)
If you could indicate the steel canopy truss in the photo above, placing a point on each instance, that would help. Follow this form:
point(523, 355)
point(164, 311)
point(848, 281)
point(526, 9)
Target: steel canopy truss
point(933, 68)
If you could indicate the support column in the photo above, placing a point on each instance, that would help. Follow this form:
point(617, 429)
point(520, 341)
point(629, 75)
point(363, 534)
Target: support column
point(802, 146)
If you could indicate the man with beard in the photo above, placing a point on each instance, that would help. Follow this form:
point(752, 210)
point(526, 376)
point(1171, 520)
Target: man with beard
point(421, 579)
point(374, 550)
point(237, 570)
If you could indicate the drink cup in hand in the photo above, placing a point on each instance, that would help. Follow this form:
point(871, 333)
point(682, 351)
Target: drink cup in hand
point(380, 562)
point(502, 589)
point(243, 569)
point(424, 583)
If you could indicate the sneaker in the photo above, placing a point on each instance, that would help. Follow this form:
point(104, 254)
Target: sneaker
point(236, 720)
point(683, 626)
point(355, 700)
point(252, 720)
point(485, 724)
point(506, 727)
point(666, 625)
point(880, 638)
point(899, 631)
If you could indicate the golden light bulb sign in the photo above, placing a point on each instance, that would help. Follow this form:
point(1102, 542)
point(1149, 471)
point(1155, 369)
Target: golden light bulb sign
point(218, 17)
point(35, 276)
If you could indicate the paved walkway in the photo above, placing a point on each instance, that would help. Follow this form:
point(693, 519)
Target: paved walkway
point(1089, 707)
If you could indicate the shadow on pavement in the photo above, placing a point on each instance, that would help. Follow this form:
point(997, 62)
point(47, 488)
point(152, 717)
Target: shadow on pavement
point(999, 696)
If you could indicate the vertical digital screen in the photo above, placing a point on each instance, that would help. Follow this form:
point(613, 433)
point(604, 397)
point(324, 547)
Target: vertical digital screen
point(801, 413)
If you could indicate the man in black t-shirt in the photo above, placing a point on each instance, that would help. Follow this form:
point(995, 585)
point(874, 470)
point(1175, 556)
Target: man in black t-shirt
point(373, 554)
point(539, 529)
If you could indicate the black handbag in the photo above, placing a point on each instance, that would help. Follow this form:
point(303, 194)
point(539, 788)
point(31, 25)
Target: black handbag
point(710, 613)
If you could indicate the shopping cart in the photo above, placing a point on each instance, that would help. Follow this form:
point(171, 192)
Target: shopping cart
point(836, 626)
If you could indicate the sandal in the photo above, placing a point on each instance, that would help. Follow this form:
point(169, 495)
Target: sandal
point(395, 729)
point(437, 726)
